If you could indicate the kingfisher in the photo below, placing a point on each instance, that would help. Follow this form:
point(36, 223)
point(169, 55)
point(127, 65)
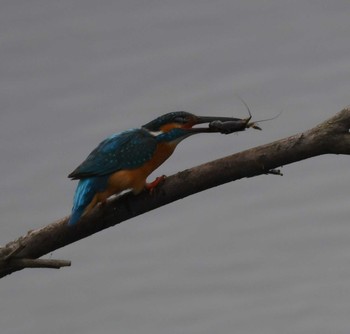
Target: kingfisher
point(124, 160)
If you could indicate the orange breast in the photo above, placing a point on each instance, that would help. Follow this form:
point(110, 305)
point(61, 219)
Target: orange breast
point(136, 178)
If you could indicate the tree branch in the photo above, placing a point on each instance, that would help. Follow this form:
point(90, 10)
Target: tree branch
point(329, 137)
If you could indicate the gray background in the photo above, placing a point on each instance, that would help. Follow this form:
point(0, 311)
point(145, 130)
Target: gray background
point(263, 255)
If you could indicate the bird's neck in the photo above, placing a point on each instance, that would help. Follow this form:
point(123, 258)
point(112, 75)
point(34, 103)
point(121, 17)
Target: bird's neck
point(172, 137)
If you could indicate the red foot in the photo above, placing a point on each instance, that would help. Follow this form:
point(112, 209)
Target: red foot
point(150, 186)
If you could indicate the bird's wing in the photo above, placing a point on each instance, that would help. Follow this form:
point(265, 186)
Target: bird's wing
point(126, 150)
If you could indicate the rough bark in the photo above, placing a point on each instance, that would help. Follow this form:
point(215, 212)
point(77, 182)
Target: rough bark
point(329, 137)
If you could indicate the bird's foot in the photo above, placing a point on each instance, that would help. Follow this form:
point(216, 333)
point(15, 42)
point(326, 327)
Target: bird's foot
point(151, 186)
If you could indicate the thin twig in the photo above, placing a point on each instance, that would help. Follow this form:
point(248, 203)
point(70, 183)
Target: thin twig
point(39, 263)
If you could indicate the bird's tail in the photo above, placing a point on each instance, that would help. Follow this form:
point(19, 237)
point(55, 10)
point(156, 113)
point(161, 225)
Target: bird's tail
point(85, 192)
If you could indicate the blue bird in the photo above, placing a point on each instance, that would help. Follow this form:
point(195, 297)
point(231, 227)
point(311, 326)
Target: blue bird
point(125, 160)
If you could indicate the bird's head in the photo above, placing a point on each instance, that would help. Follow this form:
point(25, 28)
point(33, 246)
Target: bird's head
point(182, 120)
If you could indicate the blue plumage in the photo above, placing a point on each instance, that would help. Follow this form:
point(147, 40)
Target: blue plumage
point(125, 150)
point(86, 190)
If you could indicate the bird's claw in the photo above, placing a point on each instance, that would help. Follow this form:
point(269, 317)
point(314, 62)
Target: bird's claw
point(151, 186)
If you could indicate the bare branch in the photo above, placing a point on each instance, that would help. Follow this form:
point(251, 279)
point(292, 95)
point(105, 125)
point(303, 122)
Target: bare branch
point(329, 137)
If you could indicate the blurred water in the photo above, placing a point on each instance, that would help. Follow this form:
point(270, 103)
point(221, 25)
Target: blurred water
point(264, 255)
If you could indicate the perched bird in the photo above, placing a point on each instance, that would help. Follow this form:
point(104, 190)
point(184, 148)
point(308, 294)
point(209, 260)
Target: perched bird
point(124, 160)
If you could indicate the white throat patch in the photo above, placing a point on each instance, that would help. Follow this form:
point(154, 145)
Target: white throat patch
point(155, 133)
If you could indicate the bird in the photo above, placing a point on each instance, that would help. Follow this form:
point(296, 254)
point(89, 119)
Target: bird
point(124, 160)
